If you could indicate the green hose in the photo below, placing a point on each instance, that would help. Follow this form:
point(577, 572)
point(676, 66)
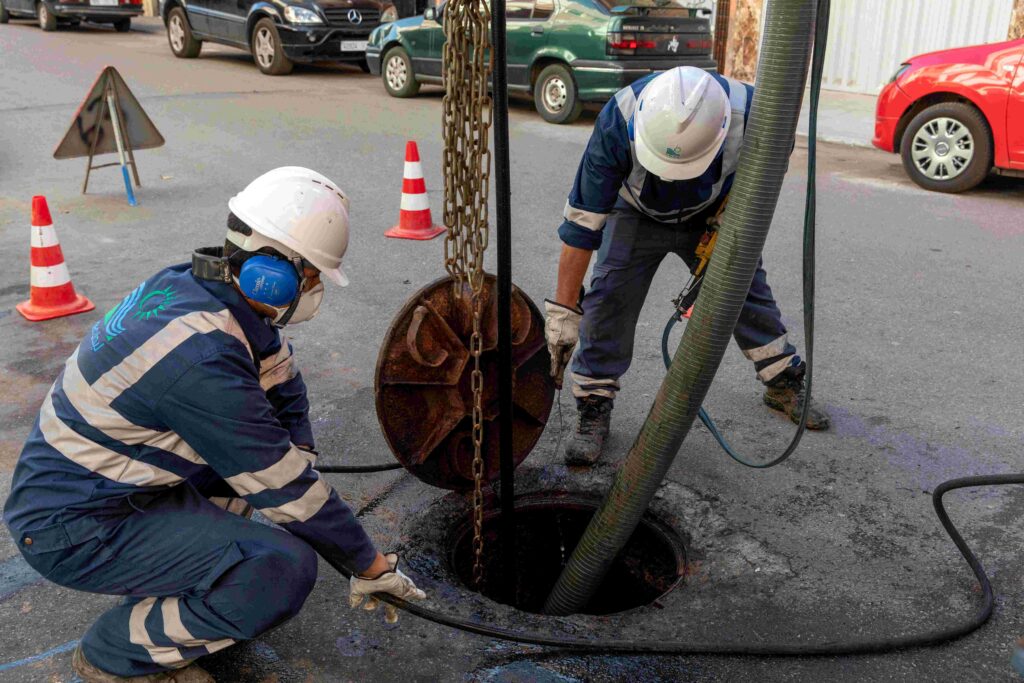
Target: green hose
point(768, 142)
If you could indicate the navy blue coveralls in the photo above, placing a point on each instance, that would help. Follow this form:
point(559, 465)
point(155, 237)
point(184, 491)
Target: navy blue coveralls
point(179, 401)
point(634, 218)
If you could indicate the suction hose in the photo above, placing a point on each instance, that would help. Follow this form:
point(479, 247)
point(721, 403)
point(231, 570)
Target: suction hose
point(768, 142)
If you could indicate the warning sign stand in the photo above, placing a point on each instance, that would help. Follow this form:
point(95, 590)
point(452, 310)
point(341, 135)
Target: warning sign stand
point(109, 120)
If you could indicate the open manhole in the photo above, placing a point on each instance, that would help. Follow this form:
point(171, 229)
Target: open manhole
point(548, 529)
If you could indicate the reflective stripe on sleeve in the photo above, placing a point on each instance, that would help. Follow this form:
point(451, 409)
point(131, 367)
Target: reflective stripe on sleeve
point(278, 475)
point(585, 219)
point(303, 508)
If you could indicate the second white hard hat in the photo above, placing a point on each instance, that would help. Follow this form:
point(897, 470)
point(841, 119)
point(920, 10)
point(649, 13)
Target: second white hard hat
point(680, 123)
point(300, 210)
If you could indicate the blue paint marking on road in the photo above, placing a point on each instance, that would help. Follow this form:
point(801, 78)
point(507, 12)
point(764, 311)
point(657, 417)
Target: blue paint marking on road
point(15, 574)
point(40, 657)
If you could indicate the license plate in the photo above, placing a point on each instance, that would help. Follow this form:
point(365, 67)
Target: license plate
point(353, 45)
point(103, 3)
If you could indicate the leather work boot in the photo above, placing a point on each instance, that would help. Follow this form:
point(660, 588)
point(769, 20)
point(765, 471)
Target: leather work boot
point(92, 674)
point(786, 393)
point(595, 414)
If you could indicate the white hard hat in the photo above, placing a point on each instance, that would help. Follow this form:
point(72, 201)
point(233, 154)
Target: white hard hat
point(297, 212)
point(681, 120)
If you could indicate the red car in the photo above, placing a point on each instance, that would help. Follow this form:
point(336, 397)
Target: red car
point(955, 115)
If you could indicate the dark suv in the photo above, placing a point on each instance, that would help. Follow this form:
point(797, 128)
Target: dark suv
point(49, 12)
point(277, 33)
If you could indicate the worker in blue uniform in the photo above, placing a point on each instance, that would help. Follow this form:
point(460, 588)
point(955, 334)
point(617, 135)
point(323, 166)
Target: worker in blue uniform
point(181, 412)
point(659, 164)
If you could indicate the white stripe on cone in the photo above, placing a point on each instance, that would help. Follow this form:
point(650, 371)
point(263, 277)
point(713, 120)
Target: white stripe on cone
point(49, 276)
point(44, 236)
point(413, 170)
point(415, 202)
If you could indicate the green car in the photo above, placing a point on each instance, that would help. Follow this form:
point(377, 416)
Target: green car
point(562, 52)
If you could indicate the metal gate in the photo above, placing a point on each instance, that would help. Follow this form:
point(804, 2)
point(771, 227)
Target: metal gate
point(869, 38)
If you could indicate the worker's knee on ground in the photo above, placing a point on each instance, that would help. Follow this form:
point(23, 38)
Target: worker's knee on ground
point(267, 588)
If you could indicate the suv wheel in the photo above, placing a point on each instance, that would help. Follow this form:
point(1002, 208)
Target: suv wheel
point(555, 96)
point(5, 16)
point(123, 25)
point(179, 35)
point(267, 49)
point(399, 79)
point(947, 147)
point(47, 21)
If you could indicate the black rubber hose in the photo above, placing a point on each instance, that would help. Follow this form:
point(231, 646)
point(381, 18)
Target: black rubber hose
point(359, 469)
point(768, 143)
point(879, 645)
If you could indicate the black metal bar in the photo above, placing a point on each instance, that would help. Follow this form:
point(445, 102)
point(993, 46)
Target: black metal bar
point(503, 204)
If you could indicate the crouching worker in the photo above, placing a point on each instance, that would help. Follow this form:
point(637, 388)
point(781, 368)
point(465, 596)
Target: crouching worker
point(179, 413)
point(660, 162)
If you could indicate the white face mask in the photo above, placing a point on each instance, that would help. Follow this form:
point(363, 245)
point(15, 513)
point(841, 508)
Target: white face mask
point(307, 308)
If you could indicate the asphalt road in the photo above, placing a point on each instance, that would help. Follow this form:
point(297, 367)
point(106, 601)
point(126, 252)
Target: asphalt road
point(918, 355)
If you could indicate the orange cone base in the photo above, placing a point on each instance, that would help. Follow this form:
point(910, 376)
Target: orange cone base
point(34, 312)
point(417, 234)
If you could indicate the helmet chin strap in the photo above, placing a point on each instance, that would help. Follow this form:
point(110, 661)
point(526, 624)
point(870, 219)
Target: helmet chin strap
point(283, 320)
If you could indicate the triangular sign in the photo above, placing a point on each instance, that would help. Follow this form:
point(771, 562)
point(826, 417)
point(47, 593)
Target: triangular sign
point(86, 126)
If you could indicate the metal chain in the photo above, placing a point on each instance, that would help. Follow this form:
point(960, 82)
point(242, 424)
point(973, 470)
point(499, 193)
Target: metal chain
point(466, 70)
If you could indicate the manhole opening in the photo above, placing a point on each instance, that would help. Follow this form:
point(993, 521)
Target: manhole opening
point(652, 563)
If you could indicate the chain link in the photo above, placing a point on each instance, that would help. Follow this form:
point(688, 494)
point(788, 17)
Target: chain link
point(466, 123)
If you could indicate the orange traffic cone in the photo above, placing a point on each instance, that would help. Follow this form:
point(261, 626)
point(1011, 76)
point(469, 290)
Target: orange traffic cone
point(414, 221)
point(52, 294)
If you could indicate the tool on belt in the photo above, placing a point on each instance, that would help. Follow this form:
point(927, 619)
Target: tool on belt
point(684, 302)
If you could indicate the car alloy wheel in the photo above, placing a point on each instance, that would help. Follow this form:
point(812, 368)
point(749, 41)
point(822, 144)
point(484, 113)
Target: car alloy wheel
point(176, 32)
point(555, 94)
point(265, 47)
point(942, 148)
point(396, 72)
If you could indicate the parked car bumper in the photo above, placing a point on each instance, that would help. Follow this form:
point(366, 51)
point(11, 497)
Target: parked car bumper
point(892, 103)
point(319, 44)
point(598, 80)
point(94, 12)
point(373, 59)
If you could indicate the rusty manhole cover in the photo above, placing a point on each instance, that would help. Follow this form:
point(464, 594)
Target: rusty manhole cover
point(424, 400)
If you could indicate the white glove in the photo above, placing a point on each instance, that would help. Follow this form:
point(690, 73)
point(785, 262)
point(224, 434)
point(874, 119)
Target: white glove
point(562, 331)
point(393, 582)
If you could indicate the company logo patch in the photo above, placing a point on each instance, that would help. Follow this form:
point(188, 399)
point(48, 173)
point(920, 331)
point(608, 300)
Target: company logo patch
point(137, 304)
point(154, 303)
point(674, 152)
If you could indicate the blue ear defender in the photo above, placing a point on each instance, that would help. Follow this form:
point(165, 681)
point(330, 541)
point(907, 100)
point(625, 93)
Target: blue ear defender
point(269, 280)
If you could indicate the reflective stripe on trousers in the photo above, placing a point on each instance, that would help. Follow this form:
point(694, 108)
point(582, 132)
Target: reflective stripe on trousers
point(632, 249)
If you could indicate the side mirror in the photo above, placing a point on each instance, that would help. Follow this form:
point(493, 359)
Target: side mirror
point(430, 14)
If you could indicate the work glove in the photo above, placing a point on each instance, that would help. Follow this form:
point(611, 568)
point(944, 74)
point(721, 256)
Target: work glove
point(393, 582)
point(562, 331)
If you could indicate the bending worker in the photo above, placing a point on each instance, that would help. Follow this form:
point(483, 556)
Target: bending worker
point(180, 412)
point(660, 162)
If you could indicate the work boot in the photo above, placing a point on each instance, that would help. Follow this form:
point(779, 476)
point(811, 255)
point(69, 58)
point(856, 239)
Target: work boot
point(93, 674)
point(787, 393)
point(595, 415)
